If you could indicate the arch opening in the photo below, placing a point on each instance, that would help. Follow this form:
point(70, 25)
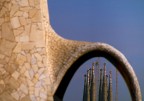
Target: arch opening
point(76, 87)
point(120, 65)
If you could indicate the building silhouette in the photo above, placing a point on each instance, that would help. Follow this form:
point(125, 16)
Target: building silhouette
point(97, 87)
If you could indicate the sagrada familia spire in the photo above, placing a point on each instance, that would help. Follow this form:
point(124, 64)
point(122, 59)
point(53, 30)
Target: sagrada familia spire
point(93, 85)
point(104, 81)
point(110, 87)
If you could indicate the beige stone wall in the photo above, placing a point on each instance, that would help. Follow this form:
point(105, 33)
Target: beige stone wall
point(23, 58)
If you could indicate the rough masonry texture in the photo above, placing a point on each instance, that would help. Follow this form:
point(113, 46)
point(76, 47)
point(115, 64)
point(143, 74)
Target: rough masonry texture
point(34, 59)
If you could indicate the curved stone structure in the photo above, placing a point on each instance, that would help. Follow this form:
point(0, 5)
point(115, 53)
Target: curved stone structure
point(35, 62)
point(114, 56)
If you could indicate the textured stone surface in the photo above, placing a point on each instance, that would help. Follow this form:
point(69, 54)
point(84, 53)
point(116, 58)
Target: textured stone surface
point(23, 2)
point(36, 34)
point(6, 47)
point(7, 32)
point(15, 75)
point(15, 22)
point(34, 59)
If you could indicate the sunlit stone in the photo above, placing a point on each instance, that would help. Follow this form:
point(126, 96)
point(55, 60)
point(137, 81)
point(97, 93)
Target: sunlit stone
point(23, 3)
point(18, 31)
point(15, 95)
point(14, 9)
point(15, 75)
point(38, 56)
point(1, 21)
point(24, 88)
point(33, 60)
point(6, 47)
point(33, 98)
point(22, 21)
point(32, 12)
point(15, 22)
point(43, 95)
point(37, 91)
point(35, 34)
point(31, 73)
point(24, 38)
point(2, 56)
point(17, 49)
point(20, 59)
point(27, 75)
point(7, 32)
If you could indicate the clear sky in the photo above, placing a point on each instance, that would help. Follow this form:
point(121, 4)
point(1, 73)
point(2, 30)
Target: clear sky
point(119, 23)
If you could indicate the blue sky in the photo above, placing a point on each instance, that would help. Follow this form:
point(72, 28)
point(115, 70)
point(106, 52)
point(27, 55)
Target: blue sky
point(119, 23)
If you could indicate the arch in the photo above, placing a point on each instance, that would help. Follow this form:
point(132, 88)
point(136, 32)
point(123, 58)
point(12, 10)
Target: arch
point(101, 50)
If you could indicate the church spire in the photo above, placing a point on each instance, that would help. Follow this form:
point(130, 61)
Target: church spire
point(88, 85)
point(85, 88)
point(100, 86)
point(104, 90)
point(110, 87)
point(97, 77)
point(93, 85)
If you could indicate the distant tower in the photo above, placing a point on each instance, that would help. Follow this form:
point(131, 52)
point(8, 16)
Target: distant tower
point(90, 77)
point(107, 81)
point(97, 77)
point(97, 71)
point(88, 85)
point(85, 88)
point(100, 86)
point(93, 85)
point(116, 95)
point(110, 87)
point(104, 90)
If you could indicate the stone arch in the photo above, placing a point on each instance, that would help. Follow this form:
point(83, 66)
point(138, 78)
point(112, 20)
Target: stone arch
point(100, 50)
